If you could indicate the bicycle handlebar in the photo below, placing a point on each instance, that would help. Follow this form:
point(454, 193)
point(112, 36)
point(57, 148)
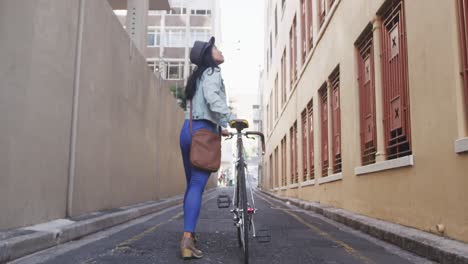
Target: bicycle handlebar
point(247, 134)
point(262, 137)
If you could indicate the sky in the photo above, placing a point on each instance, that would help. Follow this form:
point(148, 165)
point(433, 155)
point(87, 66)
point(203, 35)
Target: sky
point(242, 45)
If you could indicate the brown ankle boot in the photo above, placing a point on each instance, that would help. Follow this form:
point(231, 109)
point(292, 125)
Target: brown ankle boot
point(188, 249)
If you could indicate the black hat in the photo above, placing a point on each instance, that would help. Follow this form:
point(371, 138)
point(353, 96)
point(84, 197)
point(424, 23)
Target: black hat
point(199, 48)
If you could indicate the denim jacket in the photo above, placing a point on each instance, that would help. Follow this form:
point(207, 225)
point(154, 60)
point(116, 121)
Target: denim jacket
point(209, 101)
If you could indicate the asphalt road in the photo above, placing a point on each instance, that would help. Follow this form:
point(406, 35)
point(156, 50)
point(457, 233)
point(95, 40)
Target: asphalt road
point(297, 236)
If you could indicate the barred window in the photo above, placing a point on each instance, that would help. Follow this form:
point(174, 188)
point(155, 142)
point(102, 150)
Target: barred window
point(304, 144)
point(310, 115)
point(395, 82)
point(336, 120)
point(366, 80)
point(324, 128)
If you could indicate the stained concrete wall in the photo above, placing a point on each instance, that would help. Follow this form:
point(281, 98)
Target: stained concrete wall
point(37, 50)
point(127, 148)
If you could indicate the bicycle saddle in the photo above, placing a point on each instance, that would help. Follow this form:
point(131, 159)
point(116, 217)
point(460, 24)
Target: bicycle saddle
point(239, 124)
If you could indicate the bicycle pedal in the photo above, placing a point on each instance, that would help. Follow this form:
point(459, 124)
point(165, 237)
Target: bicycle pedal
point(224, 201)
point(263, 236)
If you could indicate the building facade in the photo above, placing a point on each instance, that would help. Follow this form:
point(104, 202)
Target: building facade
point(366, 108)
point(172, 33)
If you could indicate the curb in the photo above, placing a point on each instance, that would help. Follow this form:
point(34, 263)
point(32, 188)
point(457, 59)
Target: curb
point(20, 246)
point(427, 245)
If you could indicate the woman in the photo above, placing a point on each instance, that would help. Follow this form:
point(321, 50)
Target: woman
point(205, 92)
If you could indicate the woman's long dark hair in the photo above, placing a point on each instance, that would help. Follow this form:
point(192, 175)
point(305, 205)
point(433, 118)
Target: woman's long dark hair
point(207, 62)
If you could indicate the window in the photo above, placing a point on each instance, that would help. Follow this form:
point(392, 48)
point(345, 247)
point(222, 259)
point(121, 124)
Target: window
point(322, 12)
point(202, 12)
point(200, 35)
point(463, 26)
point(283, 162)
point(175, 70)
point(395, 82)
point(268, 61)
point(310, 24)
point(276, 97)
point(304, 144)
point(283, 79)
point(176, 38)
point(178, 11)
point(293, 153)
point(154, 38)
point(336, 120)
point(303, 31)
point(276, 22)
point(324, 128)
point(324, 8)
point(293, 52)
point(153, 66)
point(272, 105)
point(310, 114)
point(271, 47)
point(272, 173)
point(268, 118)
point(366, 80)
point(275, 181)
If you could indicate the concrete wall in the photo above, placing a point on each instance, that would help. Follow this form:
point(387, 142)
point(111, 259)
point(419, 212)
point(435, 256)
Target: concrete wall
point(37, 54)
point(127, 148)
point(433, 190)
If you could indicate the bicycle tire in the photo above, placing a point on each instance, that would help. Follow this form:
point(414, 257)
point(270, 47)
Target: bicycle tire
point(238, 204)
point(244, 214)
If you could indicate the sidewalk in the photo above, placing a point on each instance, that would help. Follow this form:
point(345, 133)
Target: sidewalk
point(20, 242)
point(433, 247)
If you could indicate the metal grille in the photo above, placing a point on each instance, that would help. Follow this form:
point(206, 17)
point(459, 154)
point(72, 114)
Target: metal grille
point(310, 114)
point(304, 144)
point(296, 170)
point(310, 24)
point(283, 78)
point(276, 97)
point(463, 27)
point(366, 81)
point(336, 120)
point(293, 51)
point(322, 12)
point(324, 129)
point(275, 182)
point(293, 153)
point(283, 162)
point(303, 31)
point(395, 83)
point(268, 118)
point(271, 171)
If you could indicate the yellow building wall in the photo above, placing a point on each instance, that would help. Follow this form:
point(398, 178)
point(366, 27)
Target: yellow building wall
point(432, 191)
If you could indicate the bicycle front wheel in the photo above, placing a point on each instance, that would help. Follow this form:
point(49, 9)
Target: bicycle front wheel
point(243, 230)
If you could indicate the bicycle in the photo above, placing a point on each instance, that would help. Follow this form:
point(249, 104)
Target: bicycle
point(243, 211)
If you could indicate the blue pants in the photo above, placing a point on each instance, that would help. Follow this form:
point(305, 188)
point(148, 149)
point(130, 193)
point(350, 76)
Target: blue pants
point(196, 179)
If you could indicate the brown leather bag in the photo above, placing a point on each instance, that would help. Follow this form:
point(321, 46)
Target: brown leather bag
point(205, 150)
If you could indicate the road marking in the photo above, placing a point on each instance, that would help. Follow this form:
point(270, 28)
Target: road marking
point(349, 249)
point(126, 244)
